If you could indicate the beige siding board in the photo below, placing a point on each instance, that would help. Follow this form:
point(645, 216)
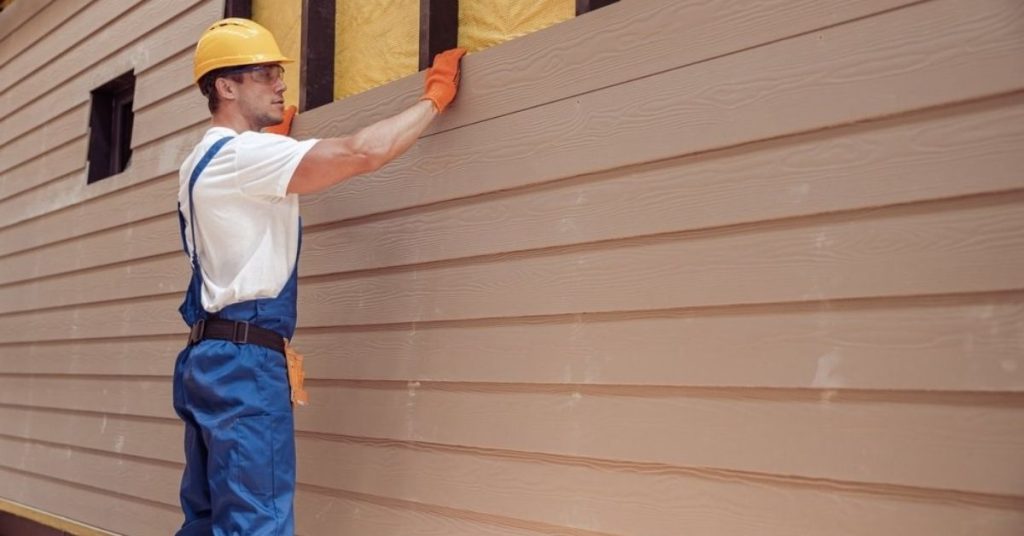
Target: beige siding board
point(905, 59)
point(157, 439)
point(14, 18)
point(146, 189)
point(149, 162)
point(184, 109)
point(912, 158)
point(150, 481)
point(100, 214)
point(957, 345)
point(967, 246)
point(152, 316)
point(146, 356)
point(134, 240)
point(502, 79)
point(153, 482)
point(106, 27)
point(933, 441)
point(23, 25)
point(141, 397)
point(170, 36)
point(40, 171)
point(625, 498)
point(948, 344)
point(38, 201)
point(39, 142)
point(165, 79)
point(118, 514)
point(962, 446)
point(59, 54)
point(973, 245)
point(964, 246)
point(166, 274)
point(945, 153)
point(330, 513)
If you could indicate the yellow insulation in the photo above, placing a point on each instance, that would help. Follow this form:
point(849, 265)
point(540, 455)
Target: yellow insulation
point(376, 41)
point(284, 19)
point(485, 23)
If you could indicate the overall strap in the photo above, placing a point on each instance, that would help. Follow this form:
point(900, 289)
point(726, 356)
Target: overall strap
point(203, 162)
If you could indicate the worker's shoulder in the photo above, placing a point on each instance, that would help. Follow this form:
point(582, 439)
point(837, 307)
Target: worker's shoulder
point(265, 140)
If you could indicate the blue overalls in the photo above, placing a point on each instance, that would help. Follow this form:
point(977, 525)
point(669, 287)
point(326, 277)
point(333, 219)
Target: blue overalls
point(234, 399)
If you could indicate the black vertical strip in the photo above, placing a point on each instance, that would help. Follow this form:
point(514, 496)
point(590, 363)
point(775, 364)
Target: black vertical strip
point(238, 8)
point(439, 28)
point(584, 6)
point(316, 70)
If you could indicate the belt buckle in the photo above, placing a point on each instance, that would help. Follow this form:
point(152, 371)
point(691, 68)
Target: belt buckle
point(245, 333)
point(198, 329)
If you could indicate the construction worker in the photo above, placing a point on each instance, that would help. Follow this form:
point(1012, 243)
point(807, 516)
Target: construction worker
point(234, 388)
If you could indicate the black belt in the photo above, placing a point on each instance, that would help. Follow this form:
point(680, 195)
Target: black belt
point(236, 332)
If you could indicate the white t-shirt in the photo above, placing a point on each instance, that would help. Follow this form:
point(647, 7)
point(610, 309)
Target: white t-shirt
point(247, 225)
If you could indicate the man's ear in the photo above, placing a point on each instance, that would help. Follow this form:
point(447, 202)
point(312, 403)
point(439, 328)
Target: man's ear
point(225, 89)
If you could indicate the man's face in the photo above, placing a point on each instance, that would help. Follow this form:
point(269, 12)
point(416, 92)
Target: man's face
point(261, 95)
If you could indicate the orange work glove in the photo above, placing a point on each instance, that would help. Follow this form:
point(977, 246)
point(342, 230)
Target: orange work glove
point(283, 128)
point(443, 78)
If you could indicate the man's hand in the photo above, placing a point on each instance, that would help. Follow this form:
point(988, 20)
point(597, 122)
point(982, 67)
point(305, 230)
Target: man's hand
point(443, 78)
point(283, 128)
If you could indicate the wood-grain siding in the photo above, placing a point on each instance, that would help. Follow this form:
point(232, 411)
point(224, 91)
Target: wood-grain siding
point(761, 276)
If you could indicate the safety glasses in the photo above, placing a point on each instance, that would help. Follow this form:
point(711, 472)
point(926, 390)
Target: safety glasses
point(264, 73)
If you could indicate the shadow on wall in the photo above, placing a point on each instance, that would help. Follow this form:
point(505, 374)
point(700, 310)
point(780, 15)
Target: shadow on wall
point(11, 525)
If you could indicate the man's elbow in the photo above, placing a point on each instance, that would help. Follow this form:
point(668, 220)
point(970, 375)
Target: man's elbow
point(374, 160)
point(371, 155)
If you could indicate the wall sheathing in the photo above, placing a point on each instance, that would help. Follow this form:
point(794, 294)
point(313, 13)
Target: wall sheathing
point(284, 19)
point(761, 276)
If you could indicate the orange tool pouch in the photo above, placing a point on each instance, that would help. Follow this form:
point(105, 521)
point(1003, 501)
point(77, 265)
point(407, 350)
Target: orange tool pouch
point(296, 375)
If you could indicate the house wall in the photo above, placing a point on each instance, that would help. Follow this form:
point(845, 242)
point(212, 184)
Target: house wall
point(666, 268)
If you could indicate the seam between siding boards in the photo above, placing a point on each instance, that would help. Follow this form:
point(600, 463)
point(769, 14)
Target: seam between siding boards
point(1008, 502)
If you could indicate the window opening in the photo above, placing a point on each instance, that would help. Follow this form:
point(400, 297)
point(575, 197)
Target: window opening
point(110, 127)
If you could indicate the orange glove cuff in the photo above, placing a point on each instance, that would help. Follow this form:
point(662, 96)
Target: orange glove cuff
point(283, 128)
point(442, 81)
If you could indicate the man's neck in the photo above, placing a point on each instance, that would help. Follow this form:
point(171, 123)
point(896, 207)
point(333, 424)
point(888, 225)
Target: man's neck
point(233, 121)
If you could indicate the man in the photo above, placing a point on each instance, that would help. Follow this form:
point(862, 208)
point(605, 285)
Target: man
point(240, 226)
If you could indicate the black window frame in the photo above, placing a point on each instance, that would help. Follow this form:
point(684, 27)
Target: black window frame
point(111, 121)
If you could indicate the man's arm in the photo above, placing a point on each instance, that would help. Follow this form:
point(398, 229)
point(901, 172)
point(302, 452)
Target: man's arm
point(333, 160)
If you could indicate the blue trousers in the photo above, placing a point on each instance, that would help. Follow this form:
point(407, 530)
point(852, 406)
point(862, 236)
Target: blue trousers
point(239, 474)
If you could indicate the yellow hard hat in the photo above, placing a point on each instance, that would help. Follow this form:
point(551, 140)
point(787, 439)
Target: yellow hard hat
point(234, 42)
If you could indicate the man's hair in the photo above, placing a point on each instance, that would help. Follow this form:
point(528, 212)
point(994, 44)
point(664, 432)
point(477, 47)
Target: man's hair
point(208, 85)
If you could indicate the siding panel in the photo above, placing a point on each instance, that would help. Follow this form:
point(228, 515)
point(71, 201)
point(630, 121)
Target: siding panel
point(872, 254)
point(21, 26)
point(44, 101)
point(99, 508)
point(921, 157)
point(38, 143)
point(631, 498)
point(957, 442)
point(756, 277)
point(952, 343)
